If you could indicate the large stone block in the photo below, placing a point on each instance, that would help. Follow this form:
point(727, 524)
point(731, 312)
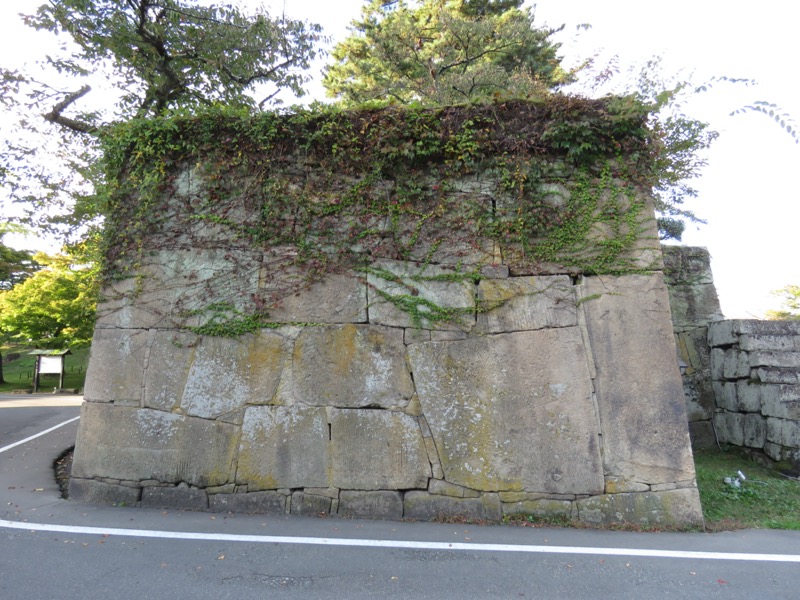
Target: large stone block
point(542, 509)
point(178, 287)
point(371, 505)
point(736, 364)
point(781, 343)
point(228, 373)
point(778, 375)
point(268, 503)
point(782, 401)
point(140, 444)
point(180, 498)
point(169, 361)
point(687, 265)
point(638, 384)
point(283, 447)
point(309, 505)
point(334, 299)
point(694, 305)
point(755, 430)
point(377, 450)
point(428, 507)
point(673, 507)
point(767, 358)
point(729, 427)
point(350, 366)
point(446, 293)
point(116, 366)
point(785, 432)
point(512, 412)
point(99, 492)
point(525, 303)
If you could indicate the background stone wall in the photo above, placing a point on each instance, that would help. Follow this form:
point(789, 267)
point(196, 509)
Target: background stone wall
point(755, 369)
point(695, 305)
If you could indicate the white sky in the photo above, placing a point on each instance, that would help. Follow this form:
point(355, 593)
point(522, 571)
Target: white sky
point(748, 192)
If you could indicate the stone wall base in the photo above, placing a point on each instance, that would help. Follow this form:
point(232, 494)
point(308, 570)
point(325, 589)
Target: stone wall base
point(665, 508)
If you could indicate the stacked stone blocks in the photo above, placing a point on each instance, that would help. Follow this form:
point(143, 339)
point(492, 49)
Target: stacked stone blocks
point(755, 368)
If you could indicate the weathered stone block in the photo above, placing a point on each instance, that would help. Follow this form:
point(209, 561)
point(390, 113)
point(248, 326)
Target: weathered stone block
point(525, 303)
point(413, 335)
point(225, 376)
point(736, 364)
point(722, 333)
point(748, 396)
point(169, 361)
point(371, 505)
point(139, 444)
point(542, 509)
point(686, 265)
point(98, 492)
point(506, 416)
point(283, 447)
point(780, 343)
point(761, 327)
point(428, 287)
point(429, 507)
point(784, 432)
point(310, 505)
point(617, 485)
point(673, 507)
point(116, 366)
point(726, 395)
point(729, 427)
point(717, 363)
point(767, 358)
point(694, 305)
point(334, 299)
point(776, 375)
point(781, 401)
point(638, 384)
point(180, 498)
point(267, 503)
point(438, 486)
point(754, 430)
point(350, 366)
point(377, 450)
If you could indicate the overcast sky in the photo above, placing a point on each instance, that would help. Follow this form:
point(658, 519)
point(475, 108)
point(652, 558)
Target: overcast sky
point(748, 192)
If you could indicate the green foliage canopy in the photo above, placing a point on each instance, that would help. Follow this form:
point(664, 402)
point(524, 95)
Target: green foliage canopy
point(790, 300)
point(159, 55)
point(440, 52)
point(54, 307)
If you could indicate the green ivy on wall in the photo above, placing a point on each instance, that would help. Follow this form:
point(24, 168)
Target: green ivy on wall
point(551, 182)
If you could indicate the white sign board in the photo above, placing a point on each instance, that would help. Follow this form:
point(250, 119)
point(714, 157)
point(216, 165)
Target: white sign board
point(50, 365)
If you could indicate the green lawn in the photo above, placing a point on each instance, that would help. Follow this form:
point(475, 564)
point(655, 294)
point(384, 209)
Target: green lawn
point(766, 499)
point(19, 373)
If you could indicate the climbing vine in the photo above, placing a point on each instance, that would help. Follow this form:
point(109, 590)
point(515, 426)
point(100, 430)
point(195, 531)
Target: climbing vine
point(555, 182)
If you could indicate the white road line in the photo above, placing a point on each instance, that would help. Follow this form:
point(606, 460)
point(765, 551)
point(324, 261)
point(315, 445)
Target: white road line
point(40, 434)
point(315, 541)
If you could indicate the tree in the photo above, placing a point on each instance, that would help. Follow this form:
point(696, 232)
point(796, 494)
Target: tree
point(444, 52)
point(790, 299)
point(159, 55)
point(15, 265)
point(53, 308)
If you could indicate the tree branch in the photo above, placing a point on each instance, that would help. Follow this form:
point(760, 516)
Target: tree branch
point(56, 116)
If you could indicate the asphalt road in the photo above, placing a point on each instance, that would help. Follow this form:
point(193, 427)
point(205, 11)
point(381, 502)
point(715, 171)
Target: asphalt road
point(52, 548)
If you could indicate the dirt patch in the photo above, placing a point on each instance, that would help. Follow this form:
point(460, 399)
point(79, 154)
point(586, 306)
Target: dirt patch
point(63, 468)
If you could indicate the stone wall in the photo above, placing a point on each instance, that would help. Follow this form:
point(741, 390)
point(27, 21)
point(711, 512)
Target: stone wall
point(694, 305)
point(418, 379)
point(755, 370)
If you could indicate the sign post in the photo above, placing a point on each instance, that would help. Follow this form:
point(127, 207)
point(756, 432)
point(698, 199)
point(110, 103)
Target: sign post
point(49, 362)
